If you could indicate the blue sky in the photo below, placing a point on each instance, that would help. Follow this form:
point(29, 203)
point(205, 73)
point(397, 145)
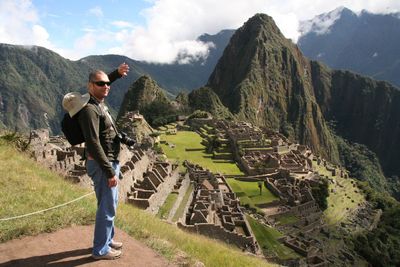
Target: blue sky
point(69, 21)
point(151, 30)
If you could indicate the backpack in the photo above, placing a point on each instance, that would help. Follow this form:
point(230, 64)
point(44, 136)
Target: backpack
point(72, 130)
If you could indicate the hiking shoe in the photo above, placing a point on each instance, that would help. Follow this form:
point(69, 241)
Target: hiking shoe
point(116, 245)
point(111, 255)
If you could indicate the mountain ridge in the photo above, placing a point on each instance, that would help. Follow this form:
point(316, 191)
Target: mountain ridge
point(365, 43)
point(267, 82)
point(34, 79)
point(263, 78)
point(366, 111)
point(270, 73)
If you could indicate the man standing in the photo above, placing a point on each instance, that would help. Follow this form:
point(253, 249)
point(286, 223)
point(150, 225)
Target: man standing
point(102, 165)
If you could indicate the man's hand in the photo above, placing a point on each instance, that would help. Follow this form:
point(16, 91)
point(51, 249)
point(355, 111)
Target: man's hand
point(113, 181)
point(123, 69)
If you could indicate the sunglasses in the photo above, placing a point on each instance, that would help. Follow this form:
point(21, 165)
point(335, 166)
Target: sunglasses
point(101, 83)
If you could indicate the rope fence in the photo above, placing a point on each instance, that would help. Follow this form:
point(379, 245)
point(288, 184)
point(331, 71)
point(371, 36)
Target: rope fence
point(41, 211)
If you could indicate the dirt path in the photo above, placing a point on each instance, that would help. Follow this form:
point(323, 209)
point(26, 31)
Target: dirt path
point(72, 247)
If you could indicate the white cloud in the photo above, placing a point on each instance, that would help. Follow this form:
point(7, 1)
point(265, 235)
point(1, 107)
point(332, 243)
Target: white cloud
point(40, 36)
point(122, 24)
point(19, 24)
point(171, 26)
point(91, 42)
point(86, 42)
point(97, 11)
point(321, 24)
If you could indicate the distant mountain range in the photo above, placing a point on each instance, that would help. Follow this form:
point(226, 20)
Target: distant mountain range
point(34, 79)
point(264, 78)
point(365, 43)
point(261, 77)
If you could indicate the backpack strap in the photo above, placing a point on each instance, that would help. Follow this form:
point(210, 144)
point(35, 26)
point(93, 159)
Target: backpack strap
point(105, 111)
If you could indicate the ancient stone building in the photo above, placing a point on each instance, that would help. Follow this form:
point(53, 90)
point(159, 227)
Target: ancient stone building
point(153, 188)
point(214, 211)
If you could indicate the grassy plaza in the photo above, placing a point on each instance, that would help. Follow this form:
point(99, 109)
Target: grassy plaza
point(186, 145)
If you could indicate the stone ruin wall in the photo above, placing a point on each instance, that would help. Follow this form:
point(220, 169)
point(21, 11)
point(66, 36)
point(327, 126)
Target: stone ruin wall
point(56, 154)
point(208, 207)
point(220, 233)
point(157, 182)
point(297, 160)
point(133, 170)
point(165, 188)
point(135, 165)
point(180, 189)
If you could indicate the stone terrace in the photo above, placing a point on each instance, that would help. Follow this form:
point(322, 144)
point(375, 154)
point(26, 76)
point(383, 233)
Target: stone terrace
point(214, 211)
point(263, 151)
point(295, 200)
point(287, 171)
point(55, 153)
point(151, 191)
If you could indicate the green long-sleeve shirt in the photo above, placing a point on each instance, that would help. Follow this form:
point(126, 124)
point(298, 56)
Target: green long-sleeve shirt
point(99, 133)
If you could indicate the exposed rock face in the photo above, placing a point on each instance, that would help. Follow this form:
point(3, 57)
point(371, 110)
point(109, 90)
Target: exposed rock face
point(364, 111)
point(263, 78)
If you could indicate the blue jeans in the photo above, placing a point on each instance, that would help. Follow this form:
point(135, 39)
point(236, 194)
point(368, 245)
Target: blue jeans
point(107, 201)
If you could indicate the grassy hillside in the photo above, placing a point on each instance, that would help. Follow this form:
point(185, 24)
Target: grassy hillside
point(344, 197)
point(27, 187)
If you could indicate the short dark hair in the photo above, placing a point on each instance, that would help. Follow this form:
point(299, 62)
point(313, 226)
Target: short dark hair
point(94, 73)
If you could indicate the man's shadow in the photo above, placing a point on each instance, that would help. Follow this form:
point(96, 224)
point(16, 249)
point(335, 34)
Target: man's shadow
point(52, 259)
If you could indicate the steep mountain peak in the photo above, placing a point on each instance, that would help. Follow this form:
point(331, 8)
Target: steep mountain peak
point(261, 19)
point(322, 23)
point(141, 93)
point(263, 78)
point(262, 26)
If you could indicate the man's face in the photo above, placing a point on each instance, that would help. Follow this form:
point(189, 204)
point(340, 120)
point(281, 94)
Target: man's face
point(99, 87)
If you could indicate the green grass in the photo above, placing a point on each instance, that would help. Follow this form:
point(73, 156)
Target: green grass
point(249, 193)
point(28, 187)
point(343, 201)
point(167, 238)
point(208, 128)
point(167, 206)
point(225, 153)
point(267, 238)
point(287, 219)
point(191, 140)
point(181, 209)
